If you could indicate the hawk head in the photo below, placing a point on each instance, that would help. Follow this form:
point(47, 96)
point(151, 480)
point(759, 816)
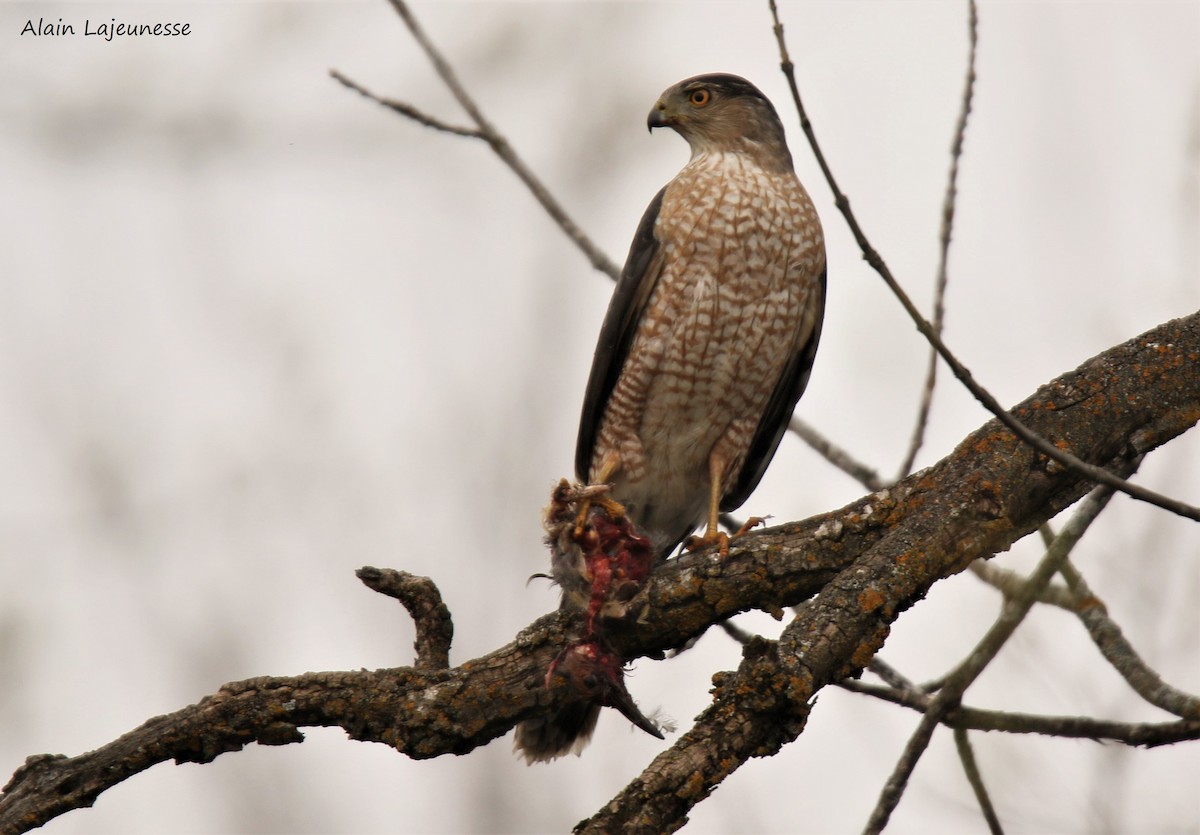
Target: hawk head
point(719, 112)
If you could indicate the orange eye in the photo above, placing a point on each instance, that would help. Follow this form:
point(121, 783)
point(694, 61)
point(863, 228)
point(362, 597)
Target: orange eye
point(700, 97)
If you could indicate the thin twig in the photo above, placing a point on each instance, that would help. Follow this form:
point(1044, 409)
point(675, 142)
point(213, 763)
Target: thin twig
point(1090, 471)
point(943, 276)
point(742, 636)
point(1008, 583)
point(891, 675)
point(488, 133)
point(1046, 532)
point(1147, 734)
point(837, 456)
point(405, 109)
point(966, 755)
point(1078, 598)
point(956, 684)
point(1117, 650)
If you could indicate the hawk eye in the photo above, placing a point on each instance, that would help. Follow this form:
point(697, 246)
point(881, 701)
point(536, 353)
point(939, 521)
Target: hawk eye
point(700, 97)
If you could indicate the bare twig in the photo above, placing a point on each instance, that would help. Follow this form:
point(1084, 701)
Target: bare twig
point(405, 109)
point(966, 756)
point(420, 596)
point(1059, 455)
point(837, 456)
point(893, 677)
point(1139, 734)
point(1117, 650)
point(1009, 583)
point(948, 204)
point(965, 674)
point(1077, 597)
point(488, 133)
point(1046, 532)
point(742, 636)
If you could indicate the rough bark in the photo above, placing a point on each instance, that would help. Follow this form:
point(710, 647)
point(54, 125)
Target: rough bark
point(865, 563)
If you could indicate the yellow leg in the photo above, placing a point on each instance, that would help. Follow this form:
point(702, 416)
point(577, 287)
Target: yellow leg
point(609, 464)
point(713, 533)
point(716, 469)
point(608, 468)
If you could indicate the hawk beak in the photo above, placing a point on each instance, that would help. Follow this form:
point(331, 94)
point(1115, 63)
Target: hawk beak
point(659, 117)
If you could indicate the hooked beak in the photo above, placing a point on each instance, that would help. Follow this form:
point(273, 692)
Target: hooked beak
point(660, 116)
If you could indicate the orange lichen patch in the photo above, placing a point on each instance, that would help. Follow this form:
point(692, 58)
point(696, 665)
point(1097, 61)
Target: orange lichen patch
point(863, 654)
point(1091, 602)
point(870, 600)
point(913, 558)
point(694, 787)
point(983, 444)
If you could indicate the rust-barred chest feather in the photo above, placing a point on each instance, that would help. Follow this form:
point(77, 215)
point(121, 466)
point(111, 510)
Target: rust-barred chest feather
point(741, 247)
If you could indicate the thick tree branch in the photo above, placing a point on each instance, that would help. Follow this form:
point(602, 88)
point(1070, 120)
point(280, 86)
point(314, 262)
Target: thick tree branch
point(956, 683)
point(992, 490)
point(869, 561)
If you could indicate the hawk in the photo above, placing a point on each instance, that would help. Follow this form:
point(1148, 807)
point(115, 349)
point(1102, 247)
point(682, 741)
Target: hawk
point(713, 326)
point(705, 349)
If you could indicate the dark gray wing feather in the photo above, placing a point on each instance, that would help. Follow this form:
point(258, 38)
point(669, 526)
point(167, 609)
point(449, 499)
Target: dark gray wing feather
point(642, 268)
point(773, 424)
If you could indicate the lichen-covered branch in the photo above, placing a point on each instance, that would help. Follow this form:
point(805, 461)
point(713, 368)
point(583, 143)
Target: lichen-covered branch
point(421, 597)
point(991, 491)
point(869, 560)
point(1015, 609)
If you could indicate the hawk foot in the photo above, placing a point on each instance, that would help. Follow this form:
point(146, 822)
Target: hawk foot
point(595, 495)
point(749, 525)
point(713, 537)
point(695, 543)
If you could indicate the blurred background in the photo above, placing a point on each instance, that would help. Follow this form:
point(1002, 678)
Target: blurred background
point(256, 332)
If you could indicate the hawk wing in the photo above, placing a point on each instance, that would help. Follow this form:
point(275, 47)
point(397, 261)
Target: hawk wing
point(783, 400)
point(638, 278)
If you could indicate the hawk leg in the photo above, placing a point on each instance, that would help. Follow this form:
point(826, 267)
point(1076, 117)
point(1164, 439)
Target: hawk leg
point(615, 510)
point(713, 535)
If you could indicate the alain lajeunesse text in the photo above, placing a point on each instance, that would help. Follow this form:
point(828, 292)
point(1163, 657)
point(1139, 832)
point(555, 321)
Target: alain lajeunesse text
point(106, 30)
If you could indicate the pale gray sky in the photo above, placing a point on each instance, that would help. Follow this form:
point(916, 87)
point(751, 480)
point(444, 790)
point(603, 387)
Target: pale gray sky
point(256, 332)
